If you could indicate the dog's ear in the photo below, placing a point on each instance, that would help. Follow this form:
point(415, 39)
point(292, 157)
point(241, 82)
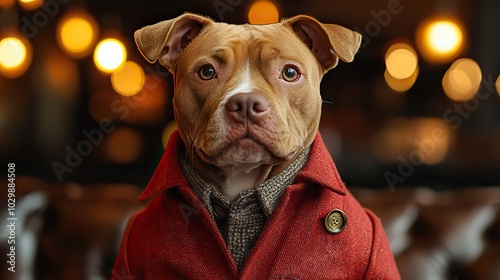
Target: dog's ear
point(164, 41)
point(328, 42)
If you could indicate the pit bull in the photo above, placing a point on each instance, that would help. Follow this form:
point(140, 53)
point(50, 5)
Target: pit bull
point(246, 188)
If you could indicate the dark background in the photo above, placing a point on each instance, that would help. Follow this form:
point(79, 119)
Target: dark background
point(38, 125)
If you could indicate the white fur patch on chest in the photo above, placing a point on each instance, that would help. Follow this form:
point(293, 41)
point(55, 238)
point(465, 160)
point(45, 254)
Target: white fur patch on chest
point(241, 180)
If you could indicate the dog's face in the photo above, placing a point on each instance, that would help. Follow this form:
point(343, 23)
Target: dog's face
point(247, 95)
point(255, 100)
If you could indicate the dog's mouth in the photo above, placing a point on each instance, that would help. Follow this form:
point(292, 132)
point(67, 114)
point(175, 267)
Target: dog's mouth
point(244, 151)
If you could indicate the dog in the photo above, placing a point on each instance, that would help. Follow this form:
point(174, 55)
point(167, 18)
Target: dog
point(246, 188)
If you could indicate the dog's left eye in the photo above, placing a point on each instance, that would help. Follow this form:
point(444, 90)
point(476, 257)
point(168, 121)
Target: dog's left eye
point(290, 73)
point(207, 72)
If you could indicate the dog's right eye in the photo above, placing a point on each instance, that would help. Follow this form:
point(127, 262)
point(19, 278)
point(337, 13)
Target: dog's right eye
point(290, 73)
point(207, 72)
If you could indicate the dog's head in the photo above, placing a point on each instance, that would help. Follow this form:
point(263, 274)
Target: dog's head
point(247, 95)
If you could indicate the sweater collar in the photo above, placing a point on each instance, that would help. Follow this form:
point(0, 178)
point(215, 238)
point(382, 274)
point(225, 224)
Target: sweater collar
point(319, 169)
point(267, 194)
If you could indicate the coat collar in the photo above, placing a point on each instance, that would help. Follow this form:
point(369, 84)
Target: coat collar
point(319, 169)
point(168, 174)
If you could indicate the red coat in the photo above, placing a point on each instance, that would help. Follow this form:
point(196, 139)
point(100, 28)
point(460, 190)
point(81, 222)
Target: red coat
point(174, 237)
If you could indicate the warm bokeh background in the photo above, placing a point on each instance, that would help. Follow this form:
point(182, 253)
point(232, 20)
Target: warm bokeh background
point(413, 125)
point(423, 65)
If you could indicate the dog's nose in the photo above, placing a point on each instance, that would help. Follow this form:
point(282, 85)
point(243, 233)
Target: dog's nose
point(247, 106)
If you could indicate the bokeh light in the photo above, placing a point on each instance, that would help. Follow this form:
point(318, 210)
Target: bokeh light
point(6, 3)
point(401, 61)
point(444, 37)
point(109, 55)
point(433, 139)
point(13, 52)
point(124, 145)
point(149, 106)
point(31, 4)
point(417, 140)
point(462, 80)
point(263, 12)
point(15, 56)
point(128, 79)
point(440, 40)
point(498, 85)
point(401, 85)
point(77, 33)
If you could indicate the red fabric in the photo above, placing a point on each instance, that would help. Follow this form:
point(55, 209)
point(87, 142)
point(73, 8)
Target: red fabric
point(174, 237)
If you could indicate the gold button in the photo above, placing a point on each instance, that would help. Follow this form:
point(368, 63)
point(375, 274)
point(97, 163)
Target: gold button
point(335, 221)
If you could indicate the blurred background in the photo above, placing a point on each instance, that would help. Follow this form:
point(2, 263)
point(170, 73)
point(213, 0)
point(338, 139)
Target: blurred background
point(85, 118)
point(70, 67)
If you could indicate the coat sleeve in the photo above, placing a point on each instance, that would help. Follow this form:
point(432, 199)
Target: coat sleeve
point(121, 269)
point(382, 264)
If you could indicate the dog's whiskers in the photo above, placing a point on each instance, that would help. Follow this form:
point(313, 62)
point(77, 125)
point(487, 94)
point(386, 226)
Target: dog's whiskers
point(330, 102)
